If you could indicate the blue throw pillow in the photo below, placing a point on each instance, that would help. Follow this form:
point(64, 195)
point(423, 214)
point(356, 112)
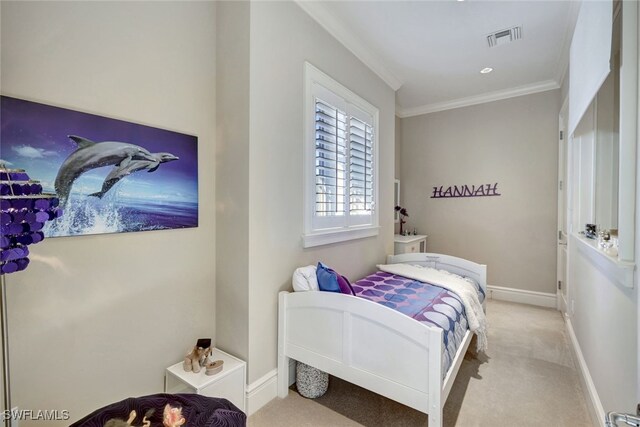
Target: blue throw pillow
point(327, 279)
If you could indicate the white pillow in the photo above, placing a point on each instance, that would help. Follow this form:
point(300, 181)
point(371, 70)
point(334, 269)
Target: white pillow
point(304, 279)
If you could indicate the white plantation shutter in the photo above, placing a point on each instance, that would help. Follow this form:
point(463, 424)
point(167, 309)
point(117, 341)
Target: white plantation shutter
point(343, 160)
point(331, 159)
point(360, 167)
point(341, 163)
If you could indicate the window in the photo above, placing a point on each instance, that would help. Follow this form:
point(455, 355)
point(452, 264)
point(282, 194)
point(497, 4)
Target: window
point(340, 162)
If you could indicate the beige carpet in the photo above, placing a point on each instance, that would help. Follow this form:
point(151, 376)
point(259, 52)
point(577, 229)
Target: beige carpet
point(527, 378)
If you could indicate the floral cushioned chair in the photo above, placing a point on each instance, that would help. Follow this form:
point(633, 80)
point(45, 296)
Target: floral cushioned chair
point(166, 410)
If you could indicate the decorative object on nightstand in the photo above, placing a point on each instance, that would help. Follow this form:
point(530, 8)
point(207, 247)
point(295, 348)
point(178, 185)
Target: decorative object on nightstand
point(197, 358)
point(212, 368)
point(403, 214)
point(229, 382)
point(24, 209)
point(410, 244)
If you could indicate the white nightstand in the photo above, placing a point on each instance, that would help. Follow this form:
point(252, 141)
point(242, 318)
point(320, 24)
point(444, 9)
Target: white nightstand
point(409, 244)
point(229, 383)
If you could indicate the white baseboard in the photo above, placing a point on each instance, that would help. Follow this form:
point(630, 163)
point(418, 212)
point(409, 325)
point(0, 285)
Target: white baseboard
point(521, 296)
point(265, 388)
point(563, 305)
point(596, 409)
point(262, 391)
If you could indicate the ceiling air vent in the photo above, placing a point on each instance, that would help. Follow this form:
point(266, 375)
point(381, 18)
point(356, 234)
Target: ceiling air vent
point(504, 36)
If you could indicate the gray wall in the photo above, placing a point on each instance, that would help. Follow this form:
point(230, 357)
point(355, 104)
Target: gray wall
point(282, 38)
point(512, 142)
point(263, 47)
point(95, 319)
point(232, 178)
point(398, 166)
point(398, 147)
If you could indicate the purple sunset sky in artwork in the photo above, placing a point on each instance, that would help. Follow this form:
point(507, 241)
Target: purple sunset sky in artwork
point(35, 137)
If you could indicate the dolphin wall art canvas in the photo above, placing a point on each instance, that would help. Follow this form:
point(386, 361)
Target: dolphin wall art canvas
point(111, 175)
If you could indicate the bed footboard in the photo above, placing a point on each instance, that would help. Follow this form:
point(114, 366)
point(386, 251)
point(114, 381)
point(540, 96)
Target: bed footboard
point(364, 343)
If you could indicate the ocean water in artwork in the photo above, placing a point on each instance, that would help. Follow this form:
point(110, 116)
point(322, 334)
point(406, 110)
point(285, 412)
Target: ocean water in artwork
point(87, 215)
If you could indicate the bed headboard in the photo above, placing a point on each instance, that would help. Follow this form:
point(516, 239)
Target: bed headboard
point(449, 263)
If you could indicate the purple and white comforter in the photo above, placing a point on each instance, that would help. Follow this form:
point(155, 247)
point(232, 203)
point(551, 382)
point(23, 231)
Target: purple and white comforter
point(426, 303)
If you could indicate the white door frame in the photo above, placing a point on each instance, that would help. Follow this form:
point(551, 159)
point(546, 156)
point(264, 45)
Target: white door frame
point(562, 288)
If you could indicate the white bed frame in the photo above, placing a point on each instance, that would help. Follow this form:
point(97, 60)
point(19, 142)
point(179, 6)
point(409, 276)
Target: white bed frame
point(371, 345)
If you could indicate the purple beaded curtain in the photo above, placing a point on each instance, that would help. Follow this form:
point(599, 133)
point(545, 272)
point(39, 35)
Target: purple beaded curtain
point(24, 209)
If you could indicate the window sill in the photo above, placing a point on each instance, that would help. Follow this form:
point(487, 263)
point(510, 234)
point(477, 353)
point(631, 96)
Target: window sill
point(620, 271)
point(328, 237)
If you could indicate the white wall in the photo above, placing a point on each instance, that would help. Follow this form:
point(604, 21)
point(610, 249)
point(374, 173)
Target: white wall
point(513, 142)
point(602, 313)
point(96, 319)
point(605, 324)
point(605, 313)
point(564, 87)
point(637, 232)
point(282, 38)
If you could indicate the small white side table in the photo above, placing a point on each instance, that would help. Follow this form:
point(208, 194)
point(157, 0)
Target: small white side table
point(228, 383)
point(409, 244)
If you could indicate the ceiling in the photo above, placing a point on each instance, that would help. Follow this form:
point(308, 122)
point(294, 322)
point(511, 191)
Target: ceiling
point(432, 52)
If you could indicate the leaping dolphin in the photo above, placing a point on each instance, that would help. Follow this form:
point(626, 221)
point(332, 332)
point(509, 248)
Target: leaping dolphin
point(119, 172)
point(91, 155)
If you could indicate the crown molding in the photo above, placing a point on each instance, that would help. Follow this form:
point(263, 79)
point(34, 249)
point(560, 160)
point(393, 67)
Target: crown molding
point(317, 11)
point(480, 99)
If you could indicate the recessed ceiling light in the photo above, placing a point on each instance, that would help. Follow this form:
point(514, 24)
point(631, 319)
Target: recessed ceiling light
point(486, 70)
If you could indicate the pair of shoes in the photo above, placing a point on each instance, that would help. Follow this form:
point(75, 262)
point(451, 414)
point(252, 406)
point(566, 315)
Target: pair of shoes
point(212, 368)
point(192, 360)
point(187, 365)
point(195, 363)
point(197, 357)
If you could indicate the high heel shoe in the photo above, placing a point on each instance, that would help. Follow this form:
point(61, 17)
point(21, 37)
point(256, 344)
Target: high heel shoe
point(187, 365)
